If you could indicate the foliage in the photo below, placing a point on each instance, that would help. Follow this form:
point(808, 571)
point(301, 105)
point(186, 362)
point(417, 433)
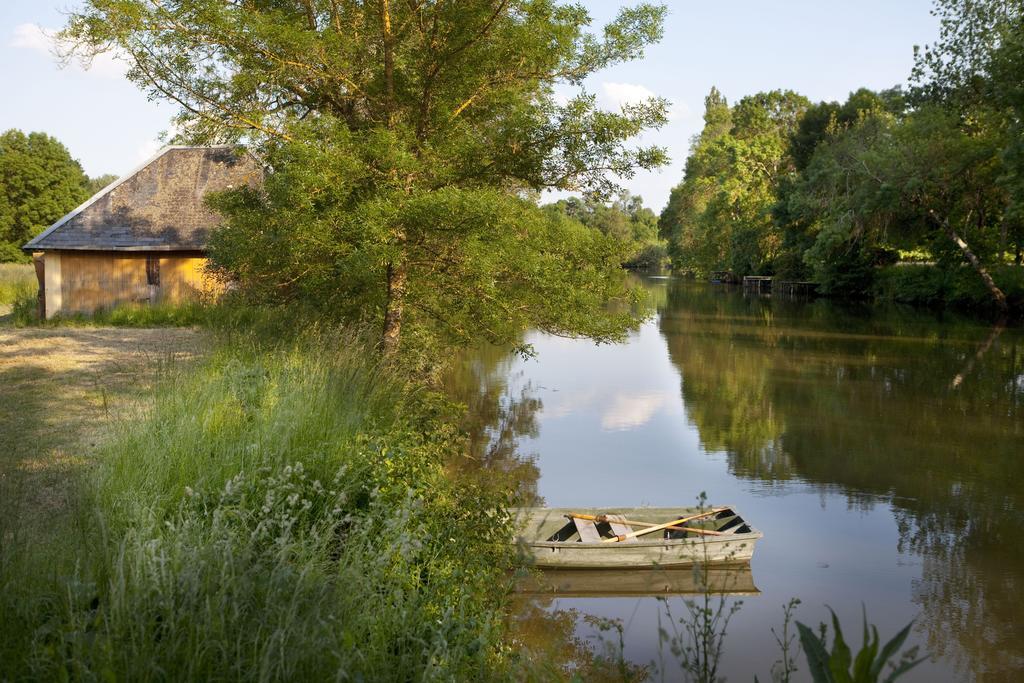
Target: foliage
point(869, 663)
point(720, 217)
point(99, 182)
point(934, 286)
point(479, 263)
point(403, 137)
point(625, 220)
point(957, 68)
point(39, 183)
point(277, 514)
point(833, 191)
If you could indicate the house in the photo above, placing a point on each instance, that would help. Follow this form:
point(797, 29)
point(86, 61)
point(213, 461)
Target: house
point(142, 238)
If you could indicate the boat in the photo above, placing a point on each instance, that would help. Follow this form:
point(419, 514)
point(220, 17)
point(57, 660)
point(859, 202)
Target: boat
point(619, 538)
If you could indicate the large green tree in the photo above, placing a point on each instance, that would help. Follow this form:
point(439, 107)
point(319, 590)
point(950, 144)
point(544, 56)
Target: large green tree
point(405, 139)
point(39, 183)
point(974, 69)
point(720, 217)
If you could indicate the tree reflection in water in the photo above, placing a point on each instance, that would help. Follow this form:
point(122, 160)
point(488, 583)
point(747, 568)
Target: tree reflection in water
point(500, 412)
point(866, 402)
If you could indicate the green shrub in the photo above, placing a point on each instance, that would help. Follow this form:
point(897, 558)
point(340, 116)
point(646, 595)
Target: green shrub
point(25, 309)
point(960, 287)
point(274, 515)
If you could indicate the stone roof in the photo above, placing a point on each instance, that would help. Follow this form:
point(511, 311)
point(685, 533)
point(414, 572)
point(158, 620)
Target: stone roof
point(157, 207)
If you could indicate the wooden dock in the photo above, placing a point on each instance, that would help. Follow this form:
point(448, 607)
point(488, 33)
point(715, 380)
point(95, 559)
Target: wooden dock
point(757, 284)
point(795, 289)
point(790, 289)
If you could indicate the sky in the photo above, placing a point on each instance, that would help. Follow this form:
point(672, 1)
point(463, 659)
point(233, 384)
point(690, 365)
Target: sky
point(823, 49)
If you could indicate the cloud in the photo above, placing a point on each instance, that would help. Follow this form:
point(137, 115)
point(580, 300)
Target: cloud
point(614, 96)
point(617, 95)
point(630, 412)
point(32, 37)
point(568, 402)
point(42, 40)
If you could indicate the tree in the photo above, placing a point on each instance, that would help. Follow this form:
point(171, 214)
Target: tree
point(39, 183)
point(974, 69)
point(678, 222)
point(625, 220)
point(99, 182)
point(414, 129)
point(720, 217)
point(831, 215)
point(924, 179)
point(956, 69)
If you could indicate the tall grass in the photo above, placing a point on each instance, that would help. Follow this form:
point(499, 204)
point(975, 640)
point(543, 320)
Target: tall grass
point(277, 514)
point(16, 280)
point(180, 314)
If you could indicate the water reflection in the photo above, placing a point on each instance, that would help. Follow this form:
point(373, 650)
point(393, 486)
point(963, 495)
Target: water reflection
point(596, 583)
point(501, 410)
point(924, 414)
point(880, 450)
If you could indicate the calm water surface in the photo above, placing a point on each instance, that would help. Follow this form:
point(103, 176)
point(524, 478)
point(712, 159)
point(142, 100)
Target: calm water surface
point(880, 452)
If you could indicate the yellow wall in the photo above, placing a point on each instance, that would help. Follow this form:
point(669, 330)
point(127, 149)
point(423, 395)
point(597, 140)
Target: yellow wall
point(91, 280)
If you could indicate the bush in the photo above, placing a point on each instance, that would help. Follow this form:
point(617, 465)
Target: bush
point(959, 287)
point(25, 308)
point(842, 266)
point(275, 515)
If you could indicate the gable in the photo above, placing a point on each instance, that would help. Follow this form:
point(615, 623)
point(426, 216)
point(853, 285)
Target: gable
point(158, 207)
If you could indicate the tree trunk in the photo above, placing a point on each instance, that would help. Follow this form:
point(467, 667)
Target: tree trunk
point(397, 276)
point(1003, 235)
point(997, 294)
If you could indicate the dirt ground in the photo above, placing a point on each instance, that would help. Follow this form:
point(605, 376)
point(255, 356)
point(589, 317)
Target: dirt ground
point(60, 387)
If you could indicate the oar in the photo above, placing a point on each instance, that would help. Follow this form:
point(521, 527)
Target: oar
point(659, 527)
point(627, 522)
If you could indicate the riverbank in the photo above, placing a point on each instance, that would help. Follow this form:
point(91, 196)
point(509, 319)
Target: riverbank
point(960, 289)
point(274, 512)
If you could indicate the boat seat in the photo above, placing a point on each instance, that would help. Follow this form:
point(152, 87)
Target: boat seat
point(588, 530)
point(620, 529)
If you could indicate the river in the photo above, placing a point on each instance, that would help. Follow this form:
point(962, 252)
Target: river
point(880, 450)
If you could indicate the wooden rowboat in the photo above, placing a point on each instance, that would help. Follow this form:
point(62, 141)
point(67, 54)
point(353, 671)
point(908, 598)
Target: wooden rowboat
point(634, 537)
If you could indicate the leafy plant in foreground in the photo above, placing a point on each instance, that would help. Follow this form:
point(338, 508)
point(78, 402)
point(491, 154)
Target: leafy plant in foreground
point(867, 666)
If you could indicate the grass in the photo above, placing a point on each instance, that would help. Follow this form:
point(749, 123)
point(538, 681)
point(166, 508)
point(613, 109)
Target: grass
point(276, 513)
point(16, 280)
point(57, 388)
point(184, 314)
